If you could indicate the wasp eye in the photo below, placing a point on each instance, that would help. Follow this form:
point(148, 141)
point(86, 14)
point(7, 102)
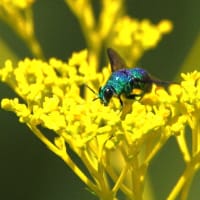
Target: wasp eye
point(108, 92)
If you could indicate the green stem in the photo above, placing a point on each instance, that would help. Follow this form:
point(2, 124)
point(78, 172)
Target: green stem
point(120, 179)
point(186, 188)
point(183, 146)
point(24, 27)
point(114, 177)
point(155, 149)
point(196, 134)
point(187, 175)
point(65, 157)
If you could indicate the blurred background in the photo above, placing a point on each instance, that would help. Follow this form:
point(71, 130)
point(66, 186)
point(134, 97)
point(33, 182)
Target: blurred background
point(28, 170)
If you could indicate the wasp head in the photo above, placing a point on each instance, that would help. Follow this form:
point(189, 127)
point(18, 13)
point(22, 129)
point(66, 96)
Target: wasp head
point(105, 94)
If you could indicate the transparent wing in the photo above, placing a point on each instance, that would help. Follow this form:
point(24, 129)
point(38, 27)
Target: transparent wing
point(115, 59)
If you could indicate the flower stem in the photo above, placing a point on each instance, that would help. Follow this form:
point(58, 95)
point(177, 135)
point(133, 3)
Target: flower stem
point(187, 175)
point(65, 157)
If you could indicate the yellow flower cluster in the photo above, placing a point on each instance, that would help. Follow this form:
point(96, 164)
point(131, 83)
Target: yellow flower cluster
point(138, 36)
point(112, 28)
point(21, 4)
point(52, 96)
point(116, 146)
point(18, 15)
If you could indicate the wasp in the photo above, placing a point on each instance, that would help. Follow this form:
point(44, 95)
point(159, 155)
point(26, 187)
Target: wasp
point(124, 80)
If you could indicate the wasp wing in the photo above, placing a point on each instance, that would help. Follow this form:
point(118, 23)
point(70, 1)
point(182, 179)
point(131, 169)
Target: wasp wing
point(161, 82)
point(115, 59)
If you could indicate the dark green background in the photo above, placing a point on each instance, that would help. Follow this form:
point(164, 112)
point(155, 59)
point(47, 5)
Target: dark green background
point(28, 170)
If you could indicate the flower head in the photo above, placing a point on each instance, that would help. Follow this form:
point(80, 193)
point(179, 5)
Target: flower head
point(52, 96)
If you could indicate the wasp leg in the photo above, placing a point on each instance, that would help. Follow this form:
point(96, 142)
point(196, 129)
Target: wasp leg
point(133, 96)
point(120, 100)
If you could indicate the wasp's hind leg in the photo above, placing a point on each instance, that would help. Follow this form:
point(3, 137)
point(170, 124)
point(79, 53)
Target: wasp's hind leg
point(134, 96)
point(121, 102)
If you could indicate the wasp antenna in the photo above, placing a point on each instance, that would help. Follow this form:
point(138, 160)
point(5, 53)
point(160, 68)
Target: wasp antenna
point(93, 91)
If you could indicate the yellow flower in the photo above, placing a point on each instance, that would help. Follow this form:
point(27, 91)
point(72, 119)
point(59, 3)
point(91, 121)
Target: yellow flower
point(53, 99)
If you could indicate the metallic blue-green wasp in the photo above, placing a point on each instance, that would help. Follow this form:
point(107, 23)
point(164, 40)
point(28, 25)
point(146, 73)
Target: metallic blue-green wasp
point(123, 81)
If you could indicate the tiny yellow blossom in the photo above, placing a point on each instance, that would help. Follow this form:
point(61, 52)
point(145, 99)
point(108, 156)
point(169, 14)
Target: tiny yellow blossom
point(21, 110)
